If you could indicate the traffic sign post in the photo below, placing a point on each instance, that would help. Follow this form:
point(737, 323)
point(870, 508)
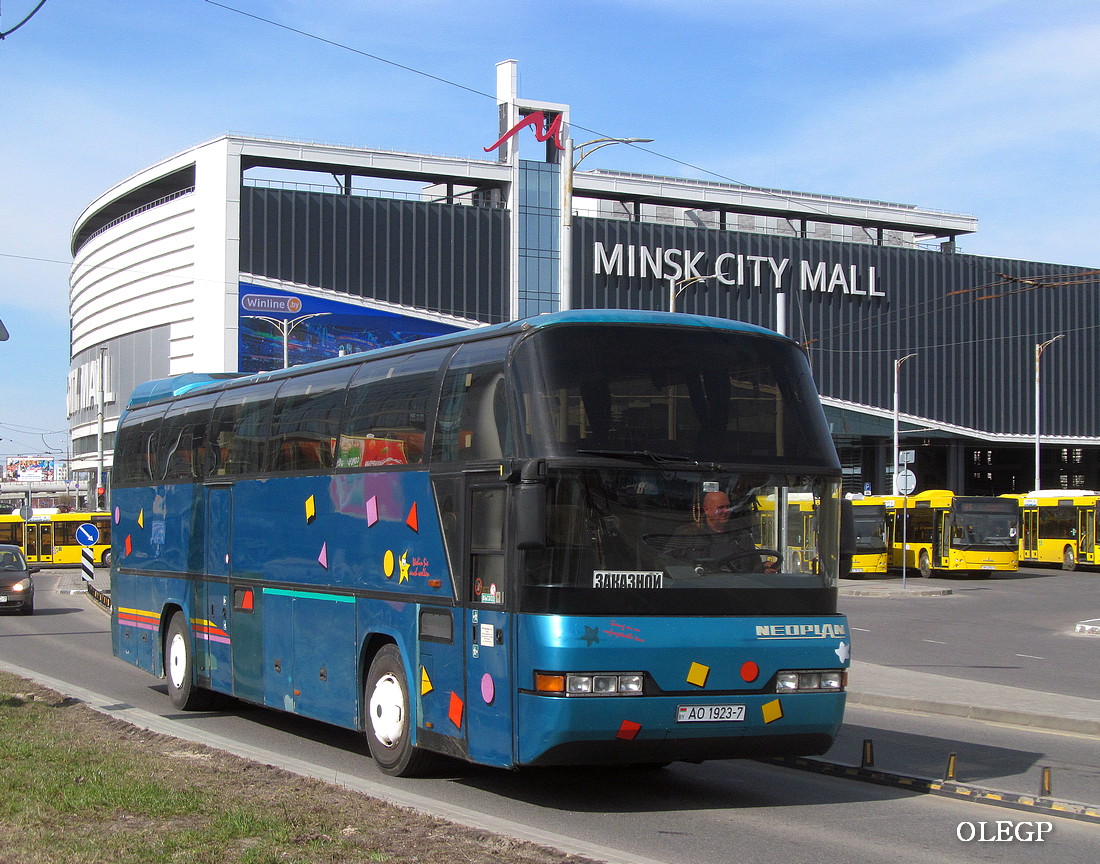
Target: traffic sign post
point(87, 535)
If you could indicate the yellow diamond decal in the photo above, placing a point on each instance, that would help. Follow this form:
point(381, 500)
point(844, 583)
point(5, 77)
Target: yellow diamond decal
point(311, 509)
point(425, 682)
point(141, 518)
point(697, 675)
point(772, 711)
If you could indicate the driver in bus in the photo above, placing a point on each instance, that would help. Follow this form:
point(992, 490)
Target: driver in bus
point(728, 529)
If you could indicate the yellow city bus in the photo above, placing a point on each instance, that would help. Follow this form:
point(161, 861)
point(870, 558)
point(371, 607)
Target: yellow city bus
point(1058, 526)
point(50, 538)
point(947, 533)
point(871, 533)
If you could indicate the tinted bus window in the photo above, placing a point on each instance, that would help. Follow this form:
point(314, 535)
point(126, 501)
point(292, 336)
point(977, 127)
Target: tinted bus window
point(135, 460)
point(305, 423)
point(386, 415)
point(241, 429)
point(182, 441)
point(474, 420)
point(708, 395)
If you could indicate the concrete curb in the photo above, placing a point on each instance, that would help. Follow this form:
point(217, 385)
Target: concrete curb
point(890, 591)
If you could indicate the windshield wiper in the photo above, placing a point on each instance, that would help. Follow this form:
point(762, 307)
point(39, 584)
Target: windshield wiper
point(658, 458)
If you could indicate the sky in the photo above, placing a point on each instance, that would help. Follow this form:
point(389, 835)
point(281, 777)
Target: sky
point(983, 107)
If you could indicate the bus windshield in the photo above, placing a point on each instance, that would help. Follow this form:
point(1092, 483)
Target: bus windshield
point(986, 523)
point(869, 522)
point(648, 540)
point(712, 396)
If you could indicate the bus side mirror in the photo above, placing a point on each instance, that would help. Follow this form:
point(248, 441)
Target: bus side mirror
point(530, 512)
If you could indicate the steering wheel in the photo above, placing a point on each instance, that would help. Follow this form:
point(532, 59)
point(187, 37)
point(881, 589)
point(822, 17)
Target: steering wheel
point(726, 560)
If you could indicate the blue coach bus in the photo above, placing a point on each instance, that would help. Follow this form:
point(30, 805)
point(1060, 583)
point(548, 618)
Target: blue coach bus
point(551, 541)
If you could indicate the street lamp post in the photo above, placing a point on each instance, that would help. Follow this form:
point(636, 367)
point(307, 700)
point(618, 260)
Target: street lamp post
point(1039, 349)
point(674, 291)
point(569, 165)
point(286, 326)
point(898, 489)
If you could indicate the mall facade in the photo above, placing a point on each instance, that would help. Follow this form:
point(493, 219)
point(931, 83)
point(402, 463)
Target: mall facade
point(243, 253)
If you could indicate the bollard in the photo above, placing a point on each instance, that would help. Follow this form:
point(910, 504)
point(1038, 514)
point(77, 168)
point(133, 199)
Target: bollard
point(868, 754)
point(1045, 784)
point(949, 774)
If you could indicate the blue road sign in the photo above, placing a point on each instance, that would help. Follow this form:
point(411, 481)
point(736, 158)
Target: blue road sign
point(87, 534)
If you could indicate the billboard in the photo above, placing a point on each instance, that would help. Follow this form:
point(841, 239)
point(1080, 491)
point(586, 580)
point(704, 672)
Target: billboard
point(30, 470)
point(312, 328)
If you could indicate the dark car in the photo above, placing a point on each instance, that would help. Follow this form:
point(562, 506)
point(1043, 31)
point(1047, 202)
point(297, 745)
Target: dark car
point(16, 586)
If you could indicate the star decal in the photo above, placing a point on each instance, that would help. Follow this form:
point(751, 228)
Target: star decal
point(843, 652)
point(591, 634)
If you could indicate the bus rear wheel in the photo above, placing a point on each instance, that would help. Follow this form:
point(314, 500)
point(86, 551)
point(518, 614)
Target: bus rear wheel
point(925, 565)
point(1069, 560)
point(179, 665)
point(388, 720)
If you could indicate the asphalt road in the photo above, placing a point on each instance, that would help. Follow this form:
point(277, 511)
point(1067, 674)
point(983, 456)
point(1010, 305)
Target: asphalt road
point(1014, 629)
point(715, 812)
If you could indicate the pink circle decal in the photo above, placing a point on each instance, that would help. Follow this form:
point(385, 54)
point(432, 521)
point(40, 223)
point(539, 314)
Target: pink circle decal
point(118, 515)
point(750, 671)
point(488, 688)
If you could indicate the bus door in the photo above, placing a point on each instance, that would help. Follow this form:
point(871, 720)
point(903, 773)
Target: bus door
point(1030, 544)
point(1086, 535)
point(210, 619)
point(941, 543)
point(489, 653)
point(39, 547)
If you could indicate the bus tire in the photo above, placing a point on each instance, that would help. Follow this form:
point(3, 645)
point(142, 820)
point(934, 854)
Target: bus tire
point(1069, 560)
point(179, 667)
point(105, 561)
point(925, 565)
point(388, 719)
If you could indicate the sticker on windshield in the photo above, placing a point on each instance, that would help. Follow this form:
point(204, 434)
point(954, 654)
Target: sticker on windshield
point(628, 578)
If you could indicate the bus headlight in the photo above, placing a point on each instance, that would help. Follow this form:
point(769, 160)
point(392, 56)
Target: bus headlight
point(590, 683)
point(809, 681)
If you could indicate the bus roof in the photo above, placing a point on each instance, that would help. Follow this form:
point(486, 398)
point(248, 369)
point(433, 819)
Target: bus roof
point(178, 385)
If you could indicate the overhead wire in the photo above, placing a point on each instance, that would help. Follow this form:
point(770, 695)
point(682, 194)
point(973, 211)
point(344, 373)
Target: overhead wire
point(777, 195)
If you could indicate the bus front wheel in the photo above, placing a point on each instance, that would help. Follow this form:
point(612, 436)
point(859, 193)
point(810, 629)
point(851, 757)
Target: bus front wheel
point(179, 665)
point(925, 565)
point(1069, 560)
point(388, 721)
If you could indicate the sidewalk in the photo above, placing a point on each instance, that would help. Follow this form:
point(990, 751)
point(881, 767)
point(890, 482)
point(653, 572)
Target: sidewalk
point(888, 687)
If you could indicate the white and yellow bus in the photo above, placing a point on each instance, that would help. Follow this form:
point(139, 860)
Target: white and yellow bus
point(1058, 527)
point(940, 532)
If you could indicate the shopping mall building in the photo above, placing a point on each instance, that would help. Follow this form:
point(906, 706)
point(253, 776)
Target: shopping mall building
point(233, 254)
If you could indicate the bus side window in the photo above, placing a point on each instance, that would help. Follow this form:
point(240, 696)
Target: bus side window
point(474, 421)
point(241, 429)
point(306, 420)
point(386, 414)
point(183, 439)
point(136, 461)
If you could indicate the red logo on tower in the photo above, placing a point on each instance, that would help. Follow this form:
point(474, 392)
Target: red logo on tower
point(543, 130)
